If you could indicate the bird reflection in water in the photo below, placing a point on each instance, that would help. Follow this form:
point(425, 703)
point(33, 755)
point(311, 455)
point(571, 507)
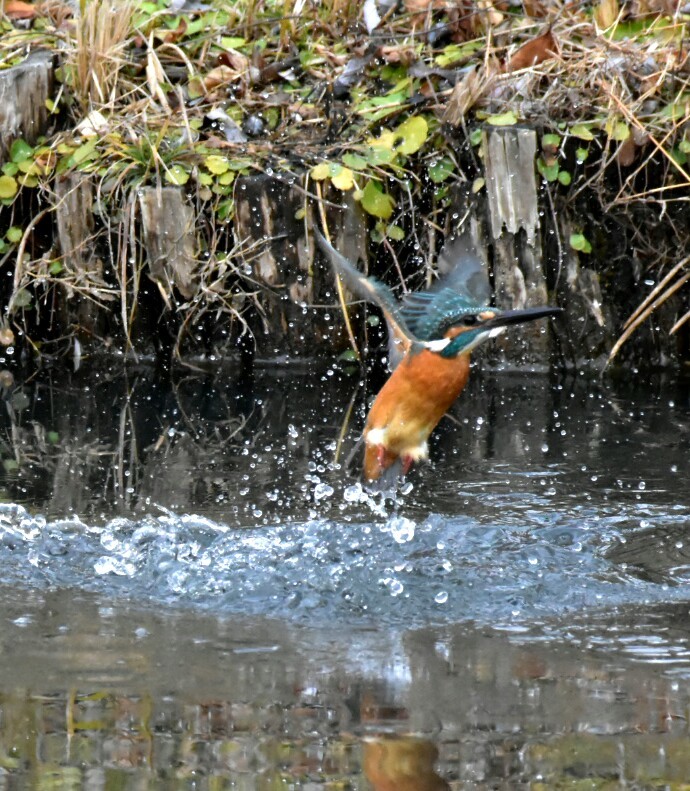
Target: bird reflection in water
point(401, 763)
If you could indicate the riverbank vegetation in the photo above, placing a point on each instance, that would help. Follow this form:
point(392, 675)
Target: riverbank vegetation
point(383, 105)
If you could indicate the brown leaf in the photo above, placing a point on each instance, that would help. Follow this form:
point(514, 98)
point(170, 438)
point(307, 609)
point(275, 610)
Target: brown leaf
point(175, 35)
point(398, 54)
point(234, 60)
point(536, 51)
point(17, 9)
point(627, 152)
point(534, 8)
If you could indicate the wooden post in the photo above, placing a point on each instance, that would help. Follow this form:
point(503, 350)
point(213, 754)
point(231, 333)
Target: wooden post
point(513, 208)
point(24, 90)
point(300, 315)
point(75, 228)
point(168, 228)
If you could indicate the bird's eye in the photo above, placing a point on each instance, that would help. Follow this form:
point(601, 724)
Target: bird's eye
point(470, 320)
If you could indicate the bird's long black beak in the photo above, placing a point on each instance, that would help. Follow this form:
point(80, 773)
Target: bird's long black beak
point(507, 317)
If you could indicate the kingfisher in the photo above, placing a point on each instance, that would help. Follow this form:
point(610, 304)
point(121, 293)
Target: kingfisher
point(431, 335)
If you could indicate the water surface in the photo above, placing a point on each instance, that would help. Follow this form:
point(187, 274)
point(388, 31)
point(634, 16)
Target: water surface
point(191, 571)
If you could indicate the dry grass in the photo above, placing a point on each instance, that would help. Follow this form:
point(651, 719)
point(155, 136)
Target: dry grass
point(96, 53)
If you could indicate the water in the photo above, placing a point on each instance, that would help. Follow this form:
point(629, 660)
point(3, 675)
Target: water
point(191, 571)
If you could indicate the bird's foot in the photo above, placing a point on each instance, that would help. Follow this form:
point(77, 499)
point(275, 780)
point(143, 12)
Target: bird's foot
point(406, 464)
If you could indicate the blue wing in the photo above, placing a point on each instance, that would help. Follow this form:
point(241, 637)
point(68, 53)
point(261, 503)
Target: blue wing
point(463, 289)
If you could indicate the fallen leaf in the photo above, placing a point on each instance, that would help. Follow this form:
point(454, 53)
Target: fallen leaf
point(17, 9)
point(627, 151)
point(175, 35)
point(534, 52)
point(534, 8)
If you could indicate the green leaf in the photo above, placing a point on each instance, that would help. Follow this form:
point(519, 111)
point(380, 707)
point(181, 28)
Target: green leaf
point(232, 42)
point(581, 154)
point(321, 171)
point(579, 242)
point(14, 234)
point(22, 298)
point(85, 153)
point(10, 168)
point(414, 133)
point(502, 119)
point(377, 202)
point(225, 209)
point(582, 131)
point(354, 161)
point(617, 130)
point(343, 179)
point(349, 356)
point(549, 172)
point(475, 137)
point(441, 169)
point(395, 232)
point(564, 177)
point(176, 175)
point(551, 141)
point(378, 155)
point(53, 437)
point(684, 146)
point(454, 53)
point(373, 320)
point(10, 465)
point(8, 187)
point(55, 268)
point(216, 164)
point(20, 150)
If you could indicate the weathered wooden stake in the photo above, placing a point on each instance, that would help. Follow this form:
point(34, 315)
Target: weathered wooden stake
point(75, 227)
point(168, 228)
point(24, 90)
point(296, 295)
point(513, 207)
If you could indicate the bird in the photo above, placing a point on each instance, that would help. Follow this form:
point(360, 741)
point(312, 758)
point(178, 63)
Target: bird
point(431, 336)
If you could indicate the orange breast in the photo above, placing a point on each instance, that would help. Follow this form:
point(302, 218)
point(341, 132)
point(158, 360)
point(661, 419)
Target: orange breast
point(413, 400)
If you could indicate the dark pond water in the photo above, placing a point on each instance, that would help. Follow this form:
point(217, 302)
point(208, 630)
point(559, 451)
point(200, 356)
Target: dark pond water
point(196, 594)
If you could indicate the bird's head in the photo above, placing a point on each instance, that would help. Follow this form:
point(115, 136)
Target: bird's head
point(465, 332)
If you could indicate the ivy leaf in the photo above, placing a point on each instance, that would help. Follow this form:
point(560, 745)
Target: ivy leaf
point(321, 171)
point(617, 130)
point(581, 154)
point(216, 164)
point(502, 119)
point(354, 161)
point(582, 131)
point(579, 242)
point(565, 178)
point(377, 202)
point(440, 169)
point(343, 180)
point(549, 172)
point(20, 150)
point(551, 140)
point(8, 187)
point(176, 175)
point(395, 232)
point(414, 133)
point(14, 234)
